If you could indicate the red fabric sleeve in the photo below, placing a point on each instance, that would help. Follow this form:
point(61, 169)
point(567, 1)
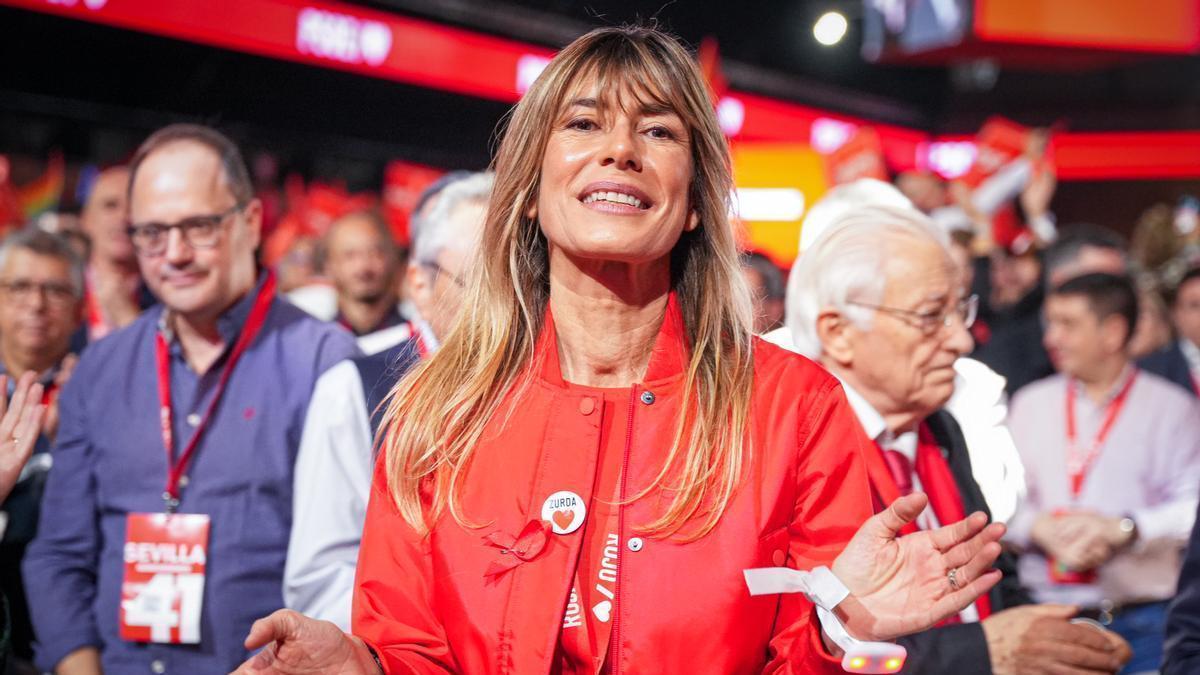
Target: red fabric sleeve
point(833, 500)
point(393, 595)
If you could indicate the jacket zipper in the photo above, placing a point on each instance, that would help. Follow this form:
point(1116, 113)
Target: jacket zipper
point(616, 629)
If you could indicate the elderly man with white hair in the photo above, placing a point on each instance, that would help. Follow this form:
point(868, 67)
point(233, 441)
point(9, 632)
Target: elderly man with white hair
point(333, 467)
point(877, 300)
point(979, 403)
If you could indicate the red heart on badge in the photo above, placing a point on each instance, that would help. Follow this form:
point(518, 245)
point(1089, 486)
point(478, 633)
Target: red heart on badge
point(564, 518)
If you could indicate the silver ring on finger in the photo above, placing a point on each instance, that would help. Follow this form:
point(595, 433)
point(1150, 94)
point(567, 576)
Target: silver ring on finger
point(952, 577)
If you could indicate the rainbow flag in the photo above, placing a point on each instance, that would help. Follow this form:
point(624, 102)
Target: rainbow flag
point(45, 192)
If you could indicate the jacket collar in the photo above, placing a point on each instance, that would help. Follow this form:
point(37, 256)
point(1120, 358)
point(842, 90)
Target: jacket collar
point(668, 360)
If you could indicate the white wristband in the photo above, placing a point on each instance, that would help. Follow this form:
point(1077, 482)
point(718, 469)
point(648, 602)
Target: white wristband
point(826, 591)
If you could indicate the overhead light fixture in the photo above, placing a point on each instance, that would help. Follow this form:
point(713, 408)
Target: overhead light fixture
point(830, 28)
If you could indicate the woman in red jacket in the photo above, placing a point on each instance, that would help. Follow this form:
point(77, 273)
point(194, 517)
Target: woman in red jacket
point(576, 480)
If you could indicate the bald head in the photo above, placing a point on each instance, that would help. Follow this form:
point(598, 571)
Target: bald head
point(362, 259)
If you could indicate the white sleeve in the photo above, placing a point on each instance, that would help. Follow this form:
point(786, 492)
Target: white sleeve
point(1178, 471)
point(332, 485)
point(980, 406)
point(1020, 525)
point(1002, 186)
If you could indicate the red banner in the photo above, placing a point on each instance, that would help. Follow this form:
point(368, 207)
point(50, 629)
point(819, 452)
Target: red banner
point(860, 157)
point(329, 34)
point(1170, 26)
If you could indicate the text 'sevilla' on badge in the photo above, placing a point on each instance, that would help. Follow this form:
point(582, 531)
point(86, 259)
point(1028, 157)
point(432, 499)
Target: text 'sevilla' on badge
point(565, 511)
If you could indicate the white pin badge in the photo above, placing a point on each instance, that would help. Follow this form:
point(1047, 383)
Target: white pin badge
point(565, 511)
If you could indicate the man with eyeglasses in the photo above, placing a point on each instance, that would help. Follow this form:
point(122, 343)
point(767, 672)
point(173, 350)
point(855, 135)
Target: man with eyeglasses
point(333, 470)
point(877, 299)
point(1113, 454)
point(41, 290)
point(167, 511)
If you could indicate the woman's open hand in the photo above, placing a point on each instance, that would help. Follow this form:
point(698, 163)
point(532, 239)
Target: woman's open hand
point(902, 585)
point(294, 644)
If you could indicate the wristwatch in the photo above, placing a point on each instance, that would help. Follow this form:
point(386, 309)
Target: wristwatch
point(1128, 529)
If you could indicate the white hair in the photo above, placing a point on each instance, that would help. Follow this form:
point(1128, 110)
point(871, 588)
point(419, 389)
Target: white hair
point(843, 198)
point(846, 265)
point(436, 230)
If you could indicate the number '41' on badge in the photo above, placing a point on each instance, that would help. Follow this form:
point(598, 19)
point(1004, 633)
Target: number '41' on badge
point(165, 560)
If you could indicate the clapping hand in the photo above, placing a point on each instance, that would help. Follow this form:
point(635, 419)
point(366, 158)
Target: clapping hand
point(1080, 540)
point(902, 585)
point(20, 423)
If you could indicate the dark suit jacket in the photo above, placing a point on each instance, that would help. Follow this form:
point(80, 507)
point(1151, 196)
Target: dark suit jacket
point(380, 372)
point(962, 649)
point(1182, 646)
point(1169, 363)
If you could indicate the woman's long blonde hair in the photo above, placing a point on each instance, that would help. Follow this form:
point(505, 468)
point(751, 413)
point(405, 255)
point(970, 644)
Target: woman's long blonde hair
point(438, 412)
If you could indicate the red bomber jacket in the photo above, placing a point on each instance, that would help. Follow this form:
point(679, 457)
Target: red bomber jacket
point(491, 599)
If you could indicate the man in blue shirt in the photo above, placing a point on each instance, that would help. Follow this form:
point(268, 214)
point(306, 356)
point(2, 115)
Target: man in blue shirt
point(179, 378)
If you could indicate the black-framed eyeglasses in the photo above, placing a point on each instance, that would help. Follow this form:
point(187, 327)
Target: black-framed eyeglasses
point(24, 290)
point(930, 322)
point(439, 270)
point(198, 232)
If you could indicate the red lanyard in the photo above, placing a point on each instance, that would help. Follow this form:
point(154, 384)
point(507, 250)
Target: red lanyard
point(1079, 464)
point(422, 348)
point(176, 468)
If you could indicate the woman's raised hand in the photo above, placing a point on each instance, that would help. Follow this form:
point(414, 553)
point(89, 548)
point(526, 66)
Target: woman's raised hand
point(902, 585)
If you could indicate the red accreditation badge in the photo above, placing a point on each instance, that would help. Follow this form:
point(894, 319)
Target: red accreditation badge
point(1061, 574)
point(165, 558)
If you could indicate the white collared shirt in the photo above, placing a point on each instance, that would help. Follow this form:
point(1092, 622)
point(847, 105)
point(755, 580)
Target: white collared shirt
point(331, 488)
point(905, 443)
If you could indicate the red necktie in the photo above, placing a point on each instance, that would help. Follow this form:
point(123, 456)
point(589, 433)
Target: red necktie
point(902, 470)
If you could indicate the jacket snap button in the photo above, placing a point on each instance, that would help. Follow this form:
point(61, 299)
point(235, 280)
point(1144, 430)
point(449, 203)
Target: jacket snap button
point(635, 544)
point(587, 406)
point(648, 397)
point(779, 558)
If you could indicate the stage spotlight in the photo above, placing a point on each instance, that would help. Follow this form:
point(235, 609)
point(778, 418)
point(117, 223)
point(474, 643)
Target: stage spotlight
point(830, 28)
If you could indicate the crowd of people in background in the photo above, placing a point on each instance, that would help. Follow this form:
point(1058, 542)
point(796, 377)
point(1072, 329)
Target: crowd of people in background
point(1047, 374)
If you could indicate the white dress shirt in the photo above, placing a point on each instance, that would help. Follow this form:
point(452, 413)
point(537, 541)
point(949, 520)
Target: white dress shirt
point(333, 484)
point(1148, 469)
point(331, 489)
